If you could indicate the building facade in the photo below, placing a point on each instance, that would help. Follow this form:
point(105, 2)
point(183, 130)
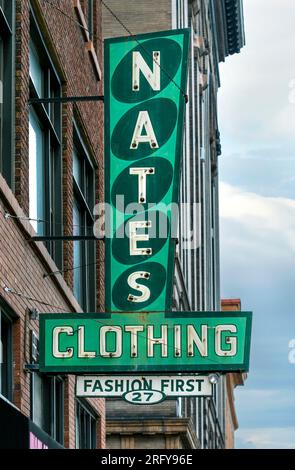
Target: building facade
point(51, 175)
point(217, 30)
point(231, 382)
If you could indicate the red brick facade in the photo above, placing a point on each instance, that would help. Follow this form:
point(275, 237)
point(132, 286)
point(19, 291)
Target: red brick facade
point(22, 263)
point(232, 381)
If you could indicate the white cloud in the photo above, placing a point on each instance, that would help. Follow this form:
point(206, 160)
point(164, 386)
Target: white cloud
point(257, 265)
point(266, 438)
point(270, 220)
point(264, 401)
point(282, 122)
point(254, 97)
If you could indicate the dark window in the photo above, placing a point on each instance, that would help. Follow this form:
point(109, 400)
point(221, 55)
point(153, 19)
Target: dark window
point(85, 426)
point(7, 90)
point(91, 18)
point(6, 361)
point(45, 169)
point(1, 94)
point(47, 405)
point(84, 251)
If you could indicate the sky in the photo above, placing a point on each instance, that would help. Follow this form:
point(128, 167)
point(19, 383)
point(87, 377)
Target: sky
point(257, 209)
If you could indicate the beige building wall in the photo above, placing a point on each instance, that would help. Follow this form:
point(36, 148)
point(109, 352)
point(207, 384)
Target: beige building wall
point(232, 381)
point(139, 17)
point(166, 433)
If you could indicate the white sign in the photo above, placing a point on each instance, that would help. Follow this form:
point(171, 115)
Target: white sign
point(121, 386)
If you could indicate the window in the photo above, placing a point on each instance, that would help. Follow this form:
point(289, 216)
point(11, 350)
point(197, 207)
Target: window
point(6, 377)
point(37, 172)
point(7, 90)
point(45, 167)
point(1, 93)
point(91, 18)
point(85, 426)
point(84, 251)
point(47, 405)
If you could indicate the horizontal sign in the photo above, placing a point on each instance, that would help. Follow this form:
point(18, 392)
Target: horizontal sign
point(120, 385)
point(145, 342)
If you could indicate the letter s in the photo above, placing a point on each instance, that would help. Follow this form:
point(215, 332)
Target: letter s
point(145, 291)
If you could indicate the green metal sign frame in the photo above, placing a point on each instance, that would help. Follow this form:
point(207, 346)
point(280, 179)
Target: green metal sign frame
point(145, 342)
point(165, 109)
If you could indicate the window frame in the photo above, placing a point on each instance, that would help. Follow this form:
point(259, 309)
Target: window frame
point(82, 405)
point(90, 19)
point(49, 117)
point(52, 419)
point(8, 319)
point(84, 201)
point(7, 30)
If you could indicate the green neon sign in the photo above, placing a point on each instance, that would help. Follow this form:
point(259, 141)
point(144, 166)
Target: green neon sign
point(145, 342)
point(145, 80)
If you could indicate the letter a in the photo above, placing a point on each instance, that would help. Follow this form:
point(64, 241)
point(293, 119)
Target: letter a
point(143, 121)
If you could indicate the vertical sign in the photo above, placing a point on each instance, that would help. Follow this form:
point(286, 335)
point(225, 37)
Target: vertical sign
point(145, 94)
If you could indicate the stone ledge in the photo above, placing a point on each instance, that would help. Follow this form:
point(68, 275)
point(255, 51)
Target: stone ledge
point(146, 426)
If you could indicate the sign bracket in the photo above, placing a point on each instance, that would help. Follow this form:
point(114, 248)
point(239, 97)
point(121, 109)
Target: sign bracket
point(72, 238)
point(65, 99)
point(32, 367)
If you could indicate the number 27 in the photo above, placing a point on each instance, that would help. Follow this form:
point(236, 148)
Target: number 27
point(137, 396)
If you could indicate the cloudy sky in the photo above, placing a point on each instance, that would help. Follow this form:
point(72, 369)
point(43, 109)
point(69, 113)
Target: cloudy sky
point(257, 205)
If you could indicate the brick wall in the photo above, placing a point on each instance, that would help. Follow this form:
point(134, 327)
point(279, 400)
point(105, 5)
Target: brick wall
point(23, 264)
point(21, 104)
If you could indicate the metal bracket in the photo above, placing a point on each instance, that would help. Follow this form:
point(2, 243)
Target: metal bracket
point(33, 313)
point(32, 367)
point(65, 99)
point(72, 238)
